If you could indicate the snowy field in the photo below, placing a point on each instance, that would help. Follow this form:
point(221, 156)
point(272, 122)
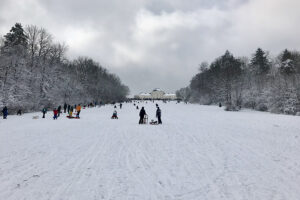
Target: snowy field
point(200, 152)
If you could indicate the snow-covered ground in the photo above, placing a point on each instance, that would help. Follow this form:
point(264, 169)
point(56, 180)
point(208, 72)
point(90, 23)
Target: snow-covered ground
point(200, 152)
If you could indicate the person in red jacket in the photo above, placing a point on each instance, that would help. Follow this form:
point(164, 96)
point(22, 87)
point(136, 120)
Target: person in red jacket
point(55, 112)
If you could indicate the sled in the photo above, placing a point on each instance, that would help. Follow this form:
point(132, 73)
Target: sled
point(71, 117)
point(145, 120)
point(153, 122)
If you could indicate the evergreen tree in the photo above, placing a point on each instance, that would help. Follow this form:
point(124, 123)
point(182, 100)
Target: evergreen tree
point(16, 36)
point(260, 62)
point(287, 65)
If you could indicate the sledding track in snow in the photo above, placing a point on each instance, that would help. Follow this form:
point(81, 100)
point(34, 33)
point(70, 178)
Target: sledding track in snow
point(200, 152)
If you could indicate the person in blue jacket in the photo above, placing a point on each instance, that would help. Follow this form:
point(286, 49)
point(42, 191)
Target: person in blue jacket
point(5, 112)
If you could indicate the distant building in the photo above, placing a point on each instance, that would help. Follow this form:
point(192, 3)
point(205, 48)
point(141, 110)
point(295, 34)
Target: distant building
point(156, 94)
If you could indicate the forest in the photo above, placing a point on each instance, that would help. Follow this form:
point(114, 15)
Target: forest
point(35, 73)
point(261, 83)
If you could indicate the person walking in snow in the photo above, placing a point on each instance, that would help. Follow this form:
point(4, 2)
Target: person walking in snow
point(65, 108)
point(19, 112)
point(158, 115)
point(68, 108)
point(59, 111)
point(55, 113)
point(78, 109)
point(44, 111)
point(120, 105)
point(142, 115)
point(5, 112)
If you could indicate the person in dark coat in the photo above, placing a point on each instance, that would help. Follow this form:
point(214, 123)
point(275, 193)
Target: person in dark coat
point(142, 115)
point(59, 111)
point(158, 115)
point(44, 111)
point(120, 105)
point(68, 108)
point(65, 108)
point(19, 112)
point(5, 112)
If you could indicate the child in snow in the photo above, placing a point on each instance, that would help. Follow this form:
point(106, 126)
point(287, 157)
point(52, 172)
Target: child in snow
point(55, 112)
point(71, 112)
point(115, 115)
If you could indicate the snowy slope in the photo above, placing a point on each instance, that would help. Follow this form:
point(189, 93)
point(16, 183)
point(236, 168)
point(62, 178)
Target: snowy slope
point(200, 152)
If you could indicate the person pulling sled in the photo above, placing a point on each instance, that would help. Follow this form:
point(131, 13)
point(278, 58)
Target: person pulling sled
point(143, 117)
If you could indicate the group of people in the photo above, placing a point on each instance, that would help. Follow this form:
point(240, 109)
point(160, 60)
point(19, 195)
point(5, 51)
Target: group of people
point(143, 116)
point(5, 112)
point(69, 108)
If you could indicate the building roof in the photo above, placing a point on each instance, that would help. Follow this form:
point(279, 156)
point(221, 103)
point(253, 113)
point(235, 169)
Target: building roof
point(145, 94)
point(157, 89)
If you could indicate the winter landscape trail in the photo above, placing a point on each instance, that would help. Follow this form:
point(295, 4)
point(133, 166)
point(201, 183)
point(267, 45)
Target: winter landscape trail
point(200, 152)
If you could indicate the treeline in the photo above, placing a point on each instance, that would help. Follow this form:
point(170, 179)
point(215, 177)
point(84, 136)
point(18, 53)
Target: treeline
point(261, 83)
point(34, 73)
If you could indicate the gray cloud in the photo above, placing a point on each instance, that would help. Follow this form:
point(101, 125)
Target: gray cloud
point(159, 43)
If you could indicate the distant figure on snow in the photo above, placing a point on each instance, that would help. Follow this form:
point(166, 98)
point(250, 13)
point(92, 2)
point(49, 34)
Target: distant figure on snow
point(142, 115)
point(137, 107)
point(115, 115)
point(78, 109)
point(19, 112)
point(158, 115)
point(120, 105)
point(220, 104)
point(55, 113)
point(71, 111)
point(5, 112)
point(59, 111)
point(68, 108)
point(44, 111)
point(65, 108)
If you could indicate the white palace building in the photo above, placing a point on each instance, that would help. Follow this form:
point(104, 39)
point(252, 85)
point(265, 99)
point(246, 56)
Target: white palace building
point(156, 94)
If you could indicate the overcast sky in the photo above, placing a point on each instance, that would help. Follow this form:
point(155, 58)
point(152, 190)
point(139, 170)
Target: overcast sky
point(160, 43)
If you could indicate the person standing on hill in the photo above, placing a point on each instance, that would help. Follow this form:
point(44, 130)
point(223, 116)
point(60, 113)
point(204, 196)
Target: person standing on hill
point(65, 108)
point(68, 108)
point(5, 112)
point(44, 111)
point(78, 109)
point(55, 113)
point(59, 111)
point(158, 115)
point(19, 112)
point(142, 115)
